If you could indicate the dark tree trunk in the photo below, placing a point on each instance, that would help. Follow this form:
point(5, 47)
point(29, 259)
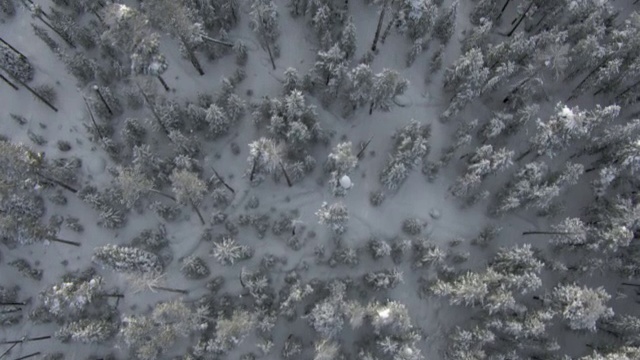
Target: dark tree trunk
point(219, 42)
point(119, 296)
point(524, 154)
point(163, 194)
point(371, 108)
point(522, 17)
point(93, 120)
point(504, 7)
point(379, 26)
point(153, 110)
point(62, 241)
point(13, 303)
point(29, 356)
point(192, 56)
point(195, 208)
point(14, 49)
point(364, 148)
point(164, 83)
point(35, 93)
point(9, 82)
point(222, 180)
point(273, 63)
point(286, 176)
point(387, 30)
point(180, 291)
point(25, 340)
point(589, 75)
point(57, 182)
point(547, 233)
point(97, 89)
point(628, 89)
point(253, 168)
point(61, 35)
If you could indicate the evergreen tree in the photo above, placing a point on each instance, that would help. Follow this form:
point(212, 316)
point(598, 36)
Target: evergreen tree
point(335, 216)
point(127, 259)
point(71, 299)
point(129, 32)
point(581, 307)
point(386, 85)
point(229, 333)
point(15, 64)
point(411, 147)
point(416, 19)
point(264, 22)
point(148, 336)
point(331, 67)
point(483, 162)
point(184, 23)
point(568, 125)
point(359, 87)
point(88, 331)
point(348, 41)
point(445, 23)
point(189, 189)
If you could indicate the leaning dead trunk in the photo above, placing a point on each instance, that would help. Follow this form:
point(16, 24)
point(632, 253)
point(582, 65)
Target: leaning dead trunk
point(548, 233)
point(162, 288)
point(195, 208)
point(62, 241)
point(8, 82)
point(379, 26)
point(164, 83)
point(192, 56)
point(504, 7)
point(35, 93)
point(25, 339)
point(104, 102)
point(153, 111)
point(29, 356)
point(522, 17)
point(222, 180)
point(23, 56)
point(286, 176)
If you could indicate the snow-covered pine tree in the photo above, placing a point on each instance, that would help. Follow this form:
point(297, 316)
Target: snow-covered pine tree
point(385, 86)
point(445, 23)
point(358, 88)
point(478, 37)
point(184, 23)
point(189, 189)
point(567, 125)
point(88, 331)
point(483, 162)
point(416, 19)
point(71, 299)
point(230, 332)
point(465, 79)
point(228, 252)
point(150, 335)
point(264, 22)
point(339, 164)
point(15, 64)
point(129, 32)
point(127, 259)
point(330, 66)
point(264, 158)
point(489, 10)
point(411, 147)
point(341, 160)
point(581, 307)
point(348, 41)
point(335, 216)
